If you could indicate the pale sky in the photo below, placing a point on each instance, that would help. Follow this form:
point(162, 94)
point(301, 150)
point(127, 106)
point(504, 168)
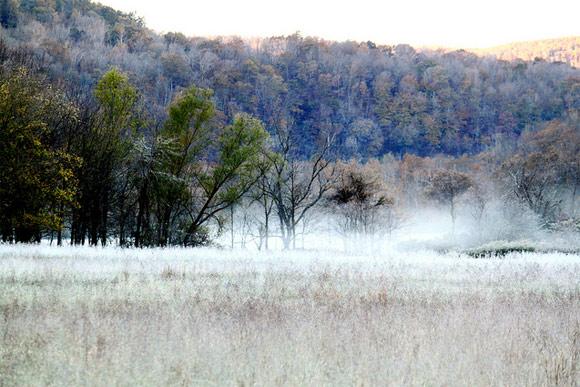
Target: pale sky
point(450, 23)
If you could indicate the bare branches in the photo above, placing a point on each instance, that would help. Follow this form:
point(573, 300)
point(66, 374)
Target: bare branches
point(296, 187)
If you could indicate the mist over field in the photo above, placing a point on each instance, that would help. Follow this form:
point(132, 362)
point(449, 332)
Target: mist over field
point(429, 228)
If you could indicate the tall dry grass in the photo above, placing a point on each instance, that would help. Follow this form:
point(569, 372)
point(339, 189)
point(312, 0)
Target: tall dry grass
point(209, 317)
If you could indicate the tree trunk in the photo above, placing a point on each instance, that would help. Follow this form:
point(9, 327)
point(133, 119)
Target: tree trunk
point(103, 229)
point(232, 225)
point(266, 227)
point(452, 218)
point(139, 225)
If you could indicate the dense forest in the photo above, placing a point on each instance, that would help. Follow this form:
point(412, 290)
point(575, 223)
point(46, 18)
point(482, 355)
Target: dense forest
point(563, 50)
point(374, 99)
point(112, 133)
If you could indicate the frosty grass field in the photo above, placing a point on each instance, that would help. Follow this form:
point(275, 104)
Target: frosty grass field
point(80, 316)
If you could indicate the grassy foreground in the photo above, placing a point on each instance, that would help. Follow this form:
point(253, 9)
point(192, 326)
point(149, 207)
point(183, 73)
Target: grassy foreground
point(207, 317)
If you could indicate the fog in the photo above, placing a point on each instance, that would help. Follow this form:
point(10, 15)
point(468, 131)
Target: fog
point(427, 228)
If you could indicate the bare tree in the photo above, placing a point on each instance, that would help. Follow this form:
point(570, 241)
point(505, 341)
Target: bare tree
point(532, 180)
point(560, 140)
point(261, 197)
point(393, 219)
point(360, 202)
point(446, 187)
point(296, 186)
point(242, 223)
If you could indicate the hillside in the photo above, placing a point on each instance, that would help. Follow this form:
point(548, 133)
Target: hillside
point(372, 99)
point(565, 50)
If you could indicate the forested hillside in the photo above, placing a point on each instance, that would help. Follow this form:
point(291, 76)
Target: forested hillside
point(372, 99)
point(565, 50)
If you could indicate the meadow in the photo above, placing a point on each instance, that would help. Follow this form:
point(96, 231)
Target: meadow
point(107, 316)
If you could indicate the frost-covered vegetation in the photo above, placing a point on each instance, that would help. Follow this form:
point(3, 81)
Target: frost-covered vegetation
point(107, 316)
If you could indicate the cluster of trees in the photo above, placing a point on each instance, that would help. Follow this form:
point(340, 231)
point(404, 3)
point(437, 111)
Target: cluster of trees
point(37, 176)
point(86, 169)
point(545, 171)
point(373, 99)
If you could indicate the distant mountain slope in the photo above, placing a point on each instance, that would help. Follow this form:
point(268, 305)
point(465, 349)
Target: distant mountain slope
point(566, 50)
point(373, 99)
